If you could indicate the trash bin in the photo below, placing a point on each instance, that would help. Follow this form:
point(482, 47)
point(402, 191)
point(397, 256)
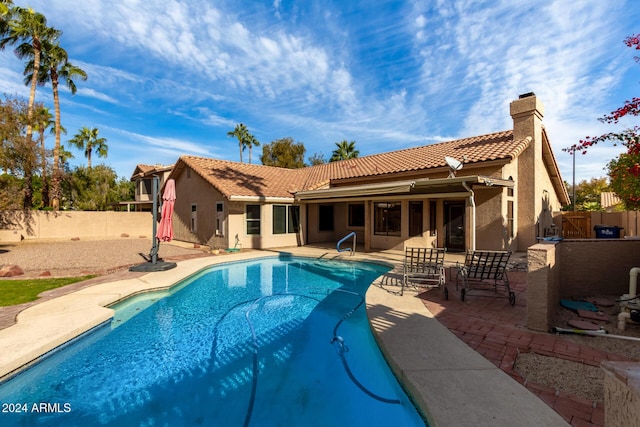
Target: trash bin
point(607, 231)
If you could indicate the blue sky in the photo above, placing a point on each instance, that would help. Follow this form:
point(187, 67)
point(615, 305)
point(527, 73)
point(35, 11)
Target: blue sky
point(172, 77)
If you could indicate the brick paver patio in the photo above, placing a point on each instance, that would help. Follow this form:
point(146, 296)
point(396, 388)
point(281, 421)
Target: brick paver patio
point(498, 331)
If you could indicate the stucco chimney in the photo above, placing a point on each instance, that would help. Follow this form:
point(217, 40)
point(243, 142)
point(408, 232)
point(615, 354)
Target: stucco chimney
point(527, 113)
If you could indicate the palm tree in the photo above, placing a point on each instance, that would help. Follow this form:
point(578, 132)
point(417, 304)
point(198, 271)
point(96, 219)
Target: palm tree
point(29, 28)
point(251, 142)
point(241, 133)
point(56, 66)
point(65, 156)
point(346, 150)
point(87, 140)
point(43, 120)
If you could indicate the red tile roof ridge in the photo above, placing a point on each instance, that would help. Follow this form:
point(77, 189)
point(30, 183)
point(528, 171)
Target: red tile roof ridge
point(282, 181)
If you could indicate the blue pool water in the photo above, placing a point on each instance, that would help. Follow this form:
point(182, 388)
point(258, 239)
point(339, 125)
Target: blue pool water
point(270, 342)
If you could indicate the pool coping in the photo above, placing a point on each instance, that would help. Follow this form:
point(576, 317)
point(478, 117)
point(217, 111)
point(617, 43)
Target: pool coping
point(450, 382)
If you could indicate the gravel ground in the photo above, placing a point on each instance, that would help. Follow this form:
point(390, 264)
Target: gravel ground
point(575, 378)
point(571, 377)
point(80, 257)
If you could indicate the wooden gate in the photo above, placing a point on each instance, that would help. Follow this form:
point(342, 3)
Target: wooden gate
point(576, 225)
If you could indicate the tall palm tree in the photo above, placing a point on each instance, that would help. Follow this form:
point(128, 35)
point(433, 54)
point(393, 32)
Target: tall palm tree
point(56, 67)
point(241, 133)
point(29, 28)
point(251, 142)
point(345, 150)
point(43, 120)
point(87, 140)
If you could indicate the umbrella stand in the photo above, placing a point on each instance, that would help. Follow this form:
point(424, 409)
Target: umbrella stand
point(153, 264)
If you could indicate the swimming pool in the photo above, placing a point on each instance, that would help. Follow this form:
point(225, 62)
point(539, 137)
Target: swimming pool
point(270, 342)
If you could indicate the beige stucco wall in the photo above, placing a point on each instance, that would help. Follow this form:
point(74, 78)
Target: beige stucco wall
point(78, 224)
point(266, 239)
point(314, 235)
point(491, 232)
point(195, 190)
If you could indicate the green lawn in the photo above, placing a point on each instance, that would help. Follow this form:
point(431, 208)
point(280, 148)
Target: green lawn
point(14, 292)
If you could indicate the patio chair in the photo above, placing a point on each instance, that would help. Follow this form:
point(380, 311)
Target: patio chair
point(424, 267)
point(485, 271)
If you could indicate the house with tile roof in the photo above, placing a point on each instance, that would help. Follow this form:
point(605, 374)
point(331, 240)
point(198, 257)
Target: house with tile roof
point(142, 177)
point(501, 199)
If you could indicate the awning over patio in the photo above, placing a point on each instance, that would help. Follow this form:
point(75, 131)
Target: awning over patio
point(432, 188)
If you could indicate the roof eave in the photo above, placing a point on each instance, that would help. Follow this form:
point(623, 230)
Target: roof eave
point(263, 199)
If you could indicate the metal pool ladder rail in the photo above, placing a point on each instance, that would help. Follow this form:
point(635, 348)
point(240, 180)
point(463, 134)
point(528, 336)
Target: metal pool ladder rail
point(341, 241)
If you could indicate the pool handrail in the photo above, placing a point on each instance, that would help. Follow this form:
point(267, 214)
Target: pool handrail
point(353, 248)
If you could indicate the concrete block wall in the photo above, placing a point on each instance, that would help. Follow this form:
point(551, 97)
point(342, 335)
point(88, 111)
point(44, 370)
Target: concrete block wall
point(543, 283)
point(76, 224)
point(575, 269)
point(596, 266)
point(621, 393)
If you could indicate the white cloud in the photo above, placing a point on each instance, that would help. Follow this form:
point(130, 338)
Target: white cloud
point(96, 95)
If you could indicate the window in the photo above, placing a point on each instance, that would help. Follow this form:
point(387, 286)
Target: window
point(253, 219)
point(220, 223)
point(194, 218)
point(293, 221)
point(286, 219)
point(433, 225)
point(146, 186)
point(415, 218)
point(356, 215)
point(386, 217)
point(325, 220)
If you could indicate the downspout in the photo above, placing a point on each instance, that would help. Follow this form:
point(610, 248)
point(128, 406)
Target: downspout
point(473, 215)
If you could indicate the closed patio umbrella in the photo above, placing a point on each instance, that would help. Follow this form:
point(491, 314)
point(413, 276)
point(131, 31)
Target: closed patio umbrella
point(164, 232)
point(165, 229)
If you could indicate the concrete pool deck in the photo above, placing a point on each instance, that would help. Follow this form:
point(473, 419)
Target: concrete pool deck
point(450, 382)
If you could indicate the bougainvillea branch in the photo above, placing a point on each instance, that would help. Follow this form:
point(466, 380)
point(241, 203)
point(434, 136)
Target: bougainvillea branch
point(633, 41)
point(630, 108)
point(629, 138)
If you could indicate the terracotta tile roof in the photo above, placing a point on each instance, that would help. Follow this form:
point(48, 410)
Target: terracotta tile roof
point(495, 146)
point(242, 179)
point(144, 170)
